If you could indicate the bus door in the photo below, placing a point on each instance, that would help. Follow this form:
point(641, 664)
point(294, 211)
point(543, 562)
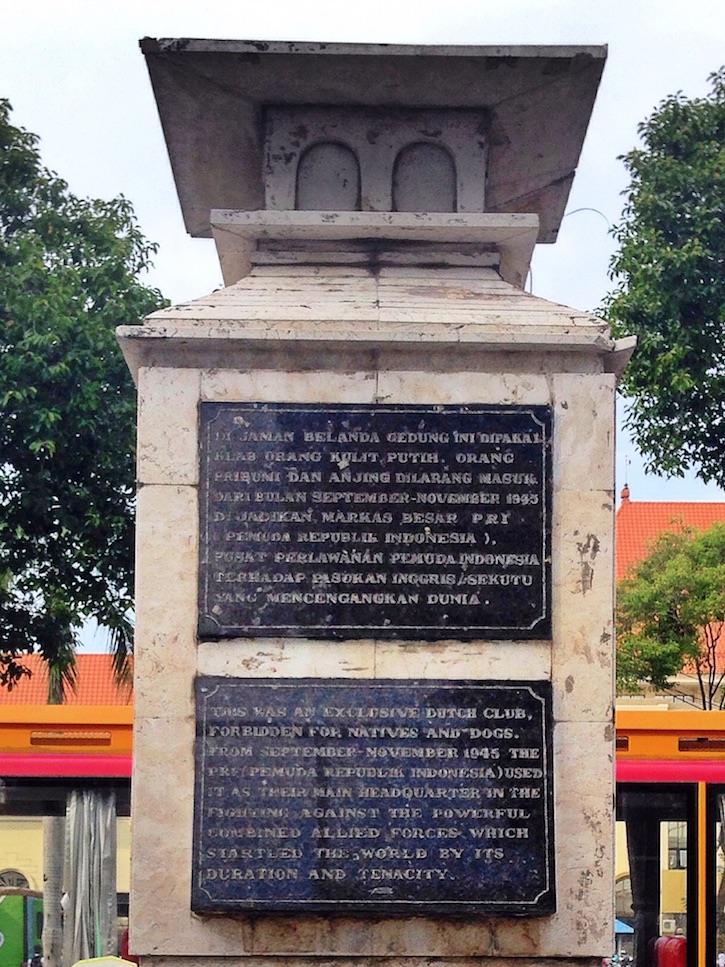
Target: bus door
point(657, 871)
point(715, 875)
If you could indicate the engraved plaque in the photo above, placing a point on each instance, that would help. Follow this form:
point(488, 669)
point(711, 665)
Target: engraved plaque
point(408, 522)
point(384, 797)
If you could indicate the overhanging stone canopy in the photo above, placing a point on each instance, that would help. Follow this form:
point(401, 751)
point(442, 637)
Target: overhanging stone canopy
point(300, 160)
point(237, 114)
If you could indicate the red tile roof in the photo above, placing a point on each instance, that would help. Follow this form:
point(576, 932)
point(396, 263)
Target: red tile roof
point(95, 684)
point(640, 522)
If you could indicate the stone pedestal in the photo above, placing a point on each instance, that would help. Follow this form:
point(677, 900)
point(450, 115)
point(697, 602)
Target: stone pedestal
point(362, 334)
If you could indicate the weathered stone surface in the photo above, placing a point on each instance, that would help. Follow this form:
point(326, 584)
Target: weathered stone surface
point(165, 633)
point(215, 138)
point(167, 402)
point(583, 565)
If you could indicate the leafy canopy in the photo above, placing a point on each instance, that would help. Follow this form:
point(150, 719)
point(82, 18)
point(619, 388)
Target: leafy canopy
point(670, 270)
point(69, 274)
point(671, 615)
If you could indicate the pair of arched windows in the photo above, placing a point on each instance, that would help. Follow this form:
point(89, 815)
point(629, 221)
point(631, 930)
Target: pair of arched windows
point(423, 179)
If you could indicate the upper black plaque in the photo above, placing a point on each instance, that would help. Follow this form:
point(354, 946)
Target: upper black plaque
point(337, 521)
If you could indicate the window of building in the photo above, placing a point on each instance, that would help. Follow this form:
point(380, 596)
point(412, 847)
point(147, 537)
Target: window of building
point(14, 878)
point(677, 846)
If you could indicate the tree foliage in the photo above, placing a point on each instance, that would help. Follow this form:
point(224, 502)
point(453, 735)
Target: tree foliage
point(671, 615)
point(670, 270)
point(69, 274)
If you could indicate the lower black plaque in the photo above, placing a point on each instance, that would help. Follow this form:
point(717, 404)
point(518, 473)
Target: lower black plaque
point(386, 797)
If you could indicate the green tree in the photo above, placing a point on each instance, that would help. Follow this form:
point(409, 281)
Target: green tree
point(670, 274)
point(671, 615)
point(69, 274)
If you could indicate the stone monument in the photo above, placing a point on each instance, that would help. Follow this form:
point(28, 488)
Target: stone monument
point(374, 656)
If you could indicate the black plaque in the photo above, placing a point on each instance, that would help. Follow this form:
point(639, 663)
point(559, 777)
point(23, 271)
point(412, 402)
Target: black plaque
point(382, 797)
point(402, 522)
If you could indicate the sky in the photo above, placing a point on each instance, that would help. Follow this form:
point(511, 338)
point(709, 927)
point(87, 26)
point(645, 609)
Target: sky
point(74, 75)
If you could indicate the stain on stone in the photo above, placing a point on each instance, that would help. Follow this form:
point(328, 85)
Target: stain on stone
point(582, 930)
point(588, 551)
point(493, 948)
point(585, 881)
point(569, 684)
point(595, 825)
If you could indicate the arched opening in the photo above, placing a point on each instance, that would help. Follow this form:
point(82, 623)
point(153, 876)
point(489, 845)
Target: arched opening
point(328, 179)
point(14, 878)
point(424, 179)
